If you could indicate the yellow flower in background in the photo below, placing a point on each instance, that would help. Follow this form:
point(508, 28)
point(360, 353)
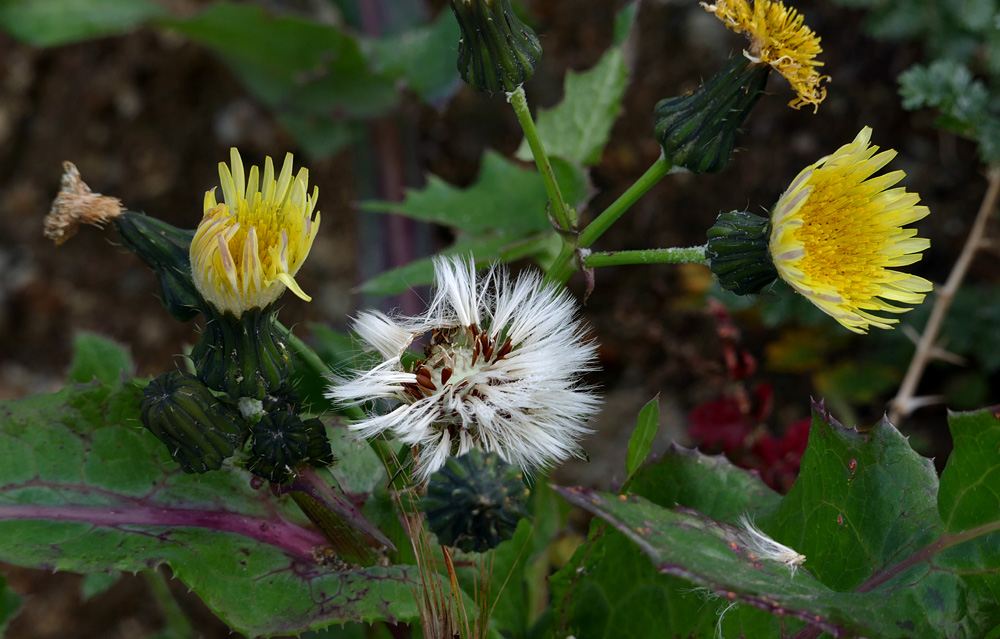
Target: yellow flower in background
point(778, 38)
point(837, 234)
point(248, 248)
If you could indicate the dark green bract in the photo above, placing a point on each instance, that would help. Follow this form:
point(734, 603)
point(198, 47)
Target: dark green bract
point(497, 51)
point(698, 130)
point(244, 357)
point(198, 429)
point(475, 502)
point(738, 252)
point(278, 443)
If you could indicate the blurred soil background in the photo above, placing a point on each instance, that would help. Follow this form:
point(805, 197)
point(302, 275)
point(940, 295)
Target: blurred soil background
point(147, 117)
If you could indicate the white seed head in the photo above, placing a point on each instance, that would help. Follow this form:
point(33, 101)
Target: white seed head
point(502, 371)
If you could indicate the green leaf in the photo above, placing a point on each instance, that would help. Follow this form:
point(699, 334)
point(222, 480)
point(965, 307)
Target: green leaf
point(641, 440)
point(709, 484)
point(865, 513)
point(578, 128)
point(610, 590)
point(486, 248)
point(313, 75)
point(597, 576)
point(624, 21)
point(505, 198)
point(969, 496)
point(500, 217)
point(95, 356)
point(422, 57)
point(47, 23)
point(861, 501)
point(10, 605)
point(84, 488)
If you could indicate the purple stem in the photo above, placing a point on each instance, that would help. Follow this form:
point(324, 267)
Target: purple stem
point(293, 540)
point(309, 482)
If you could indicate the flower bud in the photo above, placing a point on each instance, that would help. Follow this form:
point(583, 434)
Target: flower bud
point(698, 131)
point(738, 254)
point(497, 51)
point(318, 452)
point(475, 501)
point(243, 357)
point(164, 248)
point(199, 430)
point(279, 442)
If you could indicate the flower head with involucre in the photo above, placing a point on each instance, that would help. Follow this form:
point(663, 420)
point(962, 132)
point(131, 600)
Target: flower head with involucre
point(837, 236)
point(501, 372)
point(778, 38)
point(248, 248)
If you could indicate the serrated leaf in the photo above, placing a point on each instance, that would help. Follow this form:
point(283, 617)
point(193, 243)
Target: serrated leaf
point(10, 605)
point(862, 499)
point(578, 128)
point(887, 549)
point(47, 23)
point(97, 357)
point(500, 217)
point(486, 249)
point(505, 198)
point(614, 566)
point(641, 440)
point(84, 488)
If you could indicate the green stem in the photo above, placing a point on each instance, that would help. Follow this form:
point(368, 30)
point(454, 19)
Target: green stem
point(603, 222)
point(695, 255)
point(563, 267)
point(177, 624)
point(318, 367)
point(559, 210)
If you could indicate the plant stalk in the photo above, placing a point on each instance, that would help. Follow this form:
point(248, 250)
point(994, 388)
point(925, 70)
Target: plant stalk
point(562, 268)
point(559, 211)
point(903, 403)
point(176, 623)
point(694, 254)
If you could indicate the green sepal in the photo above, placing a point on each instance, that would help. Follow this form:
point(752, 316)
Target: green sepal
point(246, 356)
point(497, 51)
point(475, 501)
point(278, 443)
point(199, 430)
point(166, 249)
point(698, 130)
point(738, 252)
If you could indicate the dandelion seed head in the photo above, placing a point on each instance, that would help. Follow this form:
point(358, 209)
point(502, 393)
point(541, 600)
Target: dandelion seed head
point(501, 372)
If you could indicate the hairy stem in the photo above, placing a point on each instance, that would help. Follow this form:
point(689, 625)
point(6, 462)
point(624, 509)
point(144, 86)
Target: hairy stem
point(695, 254)
point(563, 267)
point(559, 211)
point(903, 404)
point(610, 215)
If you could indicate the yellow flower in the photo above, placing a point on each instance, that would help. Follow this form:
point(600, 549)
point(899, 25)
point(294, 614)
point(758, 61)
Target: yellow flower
point(837, 235)
point(248, 249)
point(778, 38)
